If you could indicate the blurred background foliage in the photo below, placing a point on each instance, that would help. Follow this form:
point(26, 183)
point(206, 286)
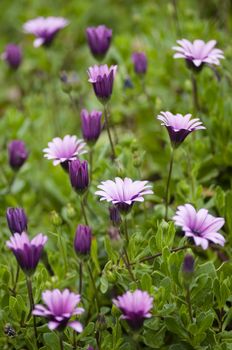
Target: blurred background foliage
point(35, 107)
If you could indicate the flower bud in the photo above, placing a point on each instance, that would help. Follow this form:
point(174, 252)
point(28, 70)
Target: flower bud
point(16, 220)
point(79, 176)
point(188, 265)
point(13, 56)
point(91, 125)
point(140, 62)
point(17, 154)
point(55, 218)
point(82, 240)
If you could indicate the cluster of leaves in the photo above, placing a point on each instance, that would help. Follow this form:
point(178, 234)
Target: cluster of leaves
point(35, 107)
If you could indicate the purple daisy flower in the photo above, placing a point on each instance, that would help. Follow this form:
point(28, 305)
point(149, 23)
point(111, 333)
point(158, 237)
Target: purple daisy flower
point(12, 55)
point(135, 306)
point(62, 151)
point(179, 126)
point(201, 226)
point(139, 60)
point(102, 78)
point(99, 39)
point(17, 154)
point(123, 192)
point(44, 29)
point(16, 220)
point(60, 307)
point(91, 125)
point(27, 252)
point(198, 52)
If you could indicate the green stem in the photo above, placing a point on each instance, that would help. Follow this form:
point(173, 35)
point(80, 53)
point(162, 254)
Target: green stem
point(61, 341)
point(151, 257)
point(128, 264)
point(62, 250)
point(32, 304)
point(83, 210)
point(195, 93)
point(167, 194)
point(16, 279)
point(188, 300)
point(108, 132)
point(80, 276)
point(91, 163)
point(126, 230)
point(94, 287)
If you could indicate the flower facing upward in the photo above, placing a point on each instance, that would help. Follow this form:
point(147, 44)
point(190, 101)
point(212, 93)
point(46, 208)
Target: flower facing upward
point(140, 62)
point(135, 306)
point(78, 174)
point(60, 307)
point(99, 39)
point(12, 55)
point(62, 151)
point(83, 239)
point(102, 78)
point(17, 154)
point(44, 29)
point(91, 125)
point(16, 220)
point(198, 53)
point(123, 192)
point(179, 126)
point(201, 226)
point(27, 252)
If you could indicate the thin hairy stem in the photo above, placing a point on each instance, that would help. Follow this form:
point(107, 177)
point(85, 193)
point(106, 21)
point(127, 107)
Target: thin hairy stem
point(167, 194)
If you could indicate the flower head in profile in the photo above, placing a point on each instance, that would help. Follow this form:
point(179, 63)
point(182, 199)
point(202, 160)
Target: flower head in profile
point(179, 126)
point(12, 55)
point(139, 60)
point(91, 125)
point(78, 174)
point(17, 154)
point(199, 225)
point(44, 29)
point(27, 252)
point(83, 240)
point(198, 53)
point(99, 39)
point(16, 220)
point(135, 306)
point(123, 192)
point(62, 151)
point(59, 307)
point(102, 79)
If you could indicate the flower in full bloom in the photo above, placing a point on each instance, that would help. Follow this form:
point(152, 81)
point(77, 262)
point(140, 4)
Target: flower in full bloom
point(179, 126)
point(12, 55)
point(60, 307)
point(99, 39)
point(27, 252)
point(91, 125)
point(140, 62)
point(102, 78)
point(16, 220)
point(201, 226)
point(62, 151)
point(44, 29)
point(135, 307)
point(123, 192)
point(198, 53)
point(17, 154)
point(78, 174)
point(83, 239)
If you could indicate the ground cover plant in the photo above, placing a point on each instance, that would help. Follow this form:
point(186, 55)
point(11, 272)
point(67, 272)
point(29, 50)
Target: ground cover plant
point(115, 175)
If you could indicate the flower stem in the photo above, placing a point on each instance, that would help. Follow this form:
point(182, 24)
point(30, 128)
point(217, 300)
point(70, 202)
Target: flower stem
point(128, 264)
point(94, 287)
point(188, 300)
point(195, 93)
point(62, 250)
point(61, 341)
point(80, 276)
point(83, 210)
point(126, 230)
point(108, 131)
point(91, 163)
point(16, 279)
point(167, 194)
point(32, 304)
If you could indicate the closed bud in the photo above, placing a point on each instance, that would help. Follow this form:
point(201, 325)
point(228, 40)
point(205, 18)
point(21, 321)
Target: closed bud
point(71, 213)
point(79, 176)
point(101, 323)
point(91, 125)
point(17, 154)
point(188, 265)
point(13, 56)
point(55, 218)
point(16, 220)
point(83, 239)
point(139, 60)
